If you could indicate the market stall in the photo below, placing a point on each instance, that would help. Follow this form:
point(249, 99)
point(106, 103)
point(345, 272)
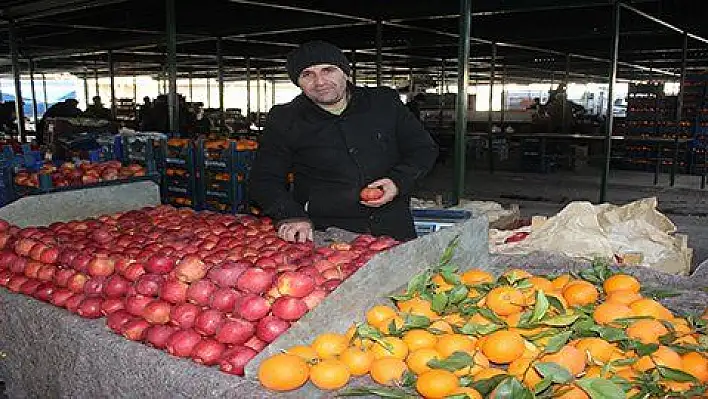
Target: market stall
point(49, 349)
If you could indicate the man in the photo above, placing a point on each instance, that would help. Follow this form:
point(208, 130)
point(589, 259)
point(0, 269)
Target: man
point(338, 139)
point(69, 108)
point(97, 110)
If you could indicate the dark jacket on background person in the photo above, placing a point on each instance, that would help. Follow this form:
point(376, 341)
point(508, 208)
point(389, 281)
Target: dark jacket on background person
point(335, 156)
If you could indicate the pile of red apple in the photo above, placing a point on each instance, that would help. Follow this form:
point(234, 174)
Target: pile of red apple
point(85, 173)
point(212, 287)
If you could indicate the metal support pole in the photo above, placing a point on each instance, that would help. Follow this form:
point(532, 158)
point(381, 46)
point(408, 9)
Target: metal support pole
point(86, 88)
point(463, 79)
point(503, 99)
point(411, 87)
point(135, 89)
point(35, 112)
point(258, 96)
point(379, 54)
point(208, 88)
point(679, 109)
point(220, 75)
point(44, 90)
point(564, 123)
point(19, 106)
point(95, 74)
point(610, 118)
point(490, 137)
point(272, 93)
point(189, 82)
point(354, 67)
point(171, 39)
point(442, 94)
point(112, 75)
point(248, 90)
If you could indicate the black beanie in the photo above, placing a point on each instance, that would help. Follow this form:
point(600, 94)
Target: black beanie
point(313, 53)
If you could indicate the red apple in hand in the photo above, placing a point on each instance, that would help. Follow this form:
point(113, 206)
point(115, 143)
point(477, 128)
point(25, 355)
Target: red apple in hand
point(371, 194)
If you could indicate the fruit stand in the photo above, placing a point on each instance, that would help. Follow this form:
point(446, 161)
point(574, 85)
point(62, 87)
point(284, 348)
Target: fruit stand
point(44, 348)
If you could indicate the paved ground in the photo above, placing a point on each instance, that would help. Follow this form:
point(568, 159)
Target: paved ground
point(545, 194)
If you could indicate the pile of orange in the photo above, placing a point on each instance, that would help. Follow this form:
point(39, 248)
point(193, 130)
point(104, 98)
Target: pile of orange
point(463, 334)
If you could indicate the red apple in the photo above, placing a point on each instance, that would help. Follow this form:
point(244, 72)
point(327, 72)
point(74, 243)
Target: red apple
point(294, 284)
point(255, 280)
point(233, 361)
point(289, 308)
point(271, 327)
point(235, 332)
point(252, 307)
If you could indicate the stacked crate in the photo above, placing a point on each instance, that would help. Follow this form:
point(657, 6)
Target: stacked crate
point(695, 109)
point(224, 166)
point(179, 176)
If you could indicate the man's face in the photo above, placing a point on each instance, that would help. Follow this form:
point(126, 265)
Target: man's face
point(324, 84)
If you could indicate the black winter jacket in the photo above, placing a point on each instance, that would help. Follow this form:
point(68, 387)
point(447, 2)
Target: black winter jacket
point(335, 156)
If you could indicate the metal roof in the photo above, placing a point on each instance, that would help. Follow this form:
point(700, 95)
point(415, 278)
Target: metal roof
point(533, 37)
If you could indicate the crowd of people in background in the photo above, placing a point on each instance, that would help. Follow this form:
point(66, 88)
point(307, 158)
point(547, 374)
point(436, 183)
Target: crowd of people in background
point(151, 115)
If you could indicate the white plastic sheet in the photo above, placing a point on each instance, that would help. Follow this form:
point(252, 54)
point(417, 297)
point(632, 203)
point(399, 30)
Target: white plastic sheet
point(584, 230)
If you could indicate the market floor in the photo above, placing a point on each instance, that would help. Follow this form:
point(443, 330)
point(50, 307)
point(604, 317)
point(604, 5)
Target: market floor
point(546, 194)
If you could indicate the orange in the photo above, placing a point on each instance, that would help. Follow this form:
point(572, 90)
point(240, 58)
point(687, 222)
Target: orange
point(570, 392)
point(470, 392)
point(664, 356)
point(561, 281)
point(436, 384)
point(476, 277)
point(329, 374)
point(283, 372)
point(329, 345)
point(621, 282)
point(516, 274)
point(579, 293)
point(451, 343)
point(387, 370)
point(608, 312)
point(513, 319)
point(395, 347)
point(503, 346)
point(596, 372)
point(441, 284)
point(676, 386)
point(650, 308)
point(417, 339)
point(505, 300)
point(417, 361)
point(624, 297)
point(681, 326)
point(599, 349)
point(418, 307)
point(647, 331)
point(378, 314)
point(305, 352)
point(480, 363)
point(357, 361)
point(441, 325)
point(541, 283)
point(569, 357)
point(696, 364)
point(522, 368)
point(488, 373)
point(351, 331)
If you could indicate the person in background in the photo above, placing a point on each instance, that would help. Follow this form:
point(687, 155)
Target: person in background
point(69, 108)
point(144, 109)
point(338, 138)
point(414, 104)
point(97, 110)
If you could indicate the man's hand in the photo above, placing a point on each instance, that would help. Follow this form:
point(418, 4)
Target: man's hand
point(296, 230)
point(390, 192)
